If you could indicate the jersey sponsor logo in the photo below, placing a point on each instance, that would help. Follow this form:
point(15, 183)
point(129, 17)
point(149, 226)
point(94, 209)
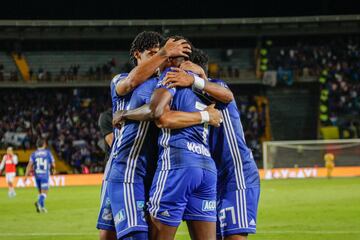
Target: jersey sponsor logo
point(198, 148)
point(165, 213)
point(120, 217)
point(208, 205)
point(252, 222)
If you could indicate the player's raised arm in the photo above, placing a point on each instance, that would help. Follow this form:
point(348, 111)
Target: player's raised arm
point(180, 78)
point(151, 61)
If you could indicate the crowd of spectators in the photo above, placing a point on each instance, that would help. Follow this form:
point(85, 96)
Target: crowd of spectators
point(67, 118)
point(253, 120)
point(337, 66)
point(6, 75)
point(100, 72)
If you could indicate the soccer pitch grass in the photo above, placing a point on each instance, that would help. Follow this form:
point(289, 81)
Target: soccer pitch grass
point(289, 209)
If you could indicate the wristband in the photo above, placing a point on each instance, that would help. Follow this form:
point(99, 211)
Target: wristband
point(205, 117)
point(199, 83)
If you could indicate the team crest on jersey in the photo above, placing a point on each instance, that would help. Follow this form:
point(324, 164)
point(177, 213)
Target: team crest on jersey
point(140, 205)
point(120, 217)
point(208, 205)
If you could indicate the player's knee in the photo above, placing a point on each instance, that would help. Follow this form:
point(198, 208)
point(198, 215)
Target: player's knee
point(241, 236)
point(107, 235)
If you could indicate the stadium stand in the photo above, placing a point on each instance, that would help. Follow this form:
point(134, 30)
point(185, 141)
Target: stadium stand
point(8, 70)
point(67, 117)
point(336, 65)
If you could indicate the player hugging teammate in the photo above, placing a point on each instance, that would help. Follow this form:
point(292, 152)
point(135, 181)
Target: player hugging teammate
point(201, 170)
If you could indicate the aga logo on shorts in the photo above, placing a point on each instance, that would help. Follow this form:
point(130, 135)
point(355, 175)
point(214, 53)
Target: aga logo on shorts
point(120, 216)
point(208, 205)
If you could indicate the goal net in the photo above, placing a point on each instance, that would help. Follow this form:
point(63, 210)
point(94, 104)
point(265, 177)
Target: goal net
point(310, 153)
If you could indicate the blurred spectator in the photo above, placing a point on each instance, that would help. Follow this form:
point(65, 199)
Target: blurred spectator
point(66, 117)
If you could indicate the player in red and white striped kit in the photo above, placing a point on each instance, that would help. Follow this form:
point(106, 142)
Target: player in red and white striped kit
point(9, 161)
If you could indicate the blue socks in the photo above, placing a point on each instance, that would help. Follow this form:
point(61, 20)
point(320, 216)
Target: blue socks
point(41, 200)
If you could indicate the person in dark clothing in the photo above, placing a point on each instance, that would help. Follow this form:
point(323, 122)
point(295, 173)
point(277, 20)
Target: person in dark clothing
point(106, 129)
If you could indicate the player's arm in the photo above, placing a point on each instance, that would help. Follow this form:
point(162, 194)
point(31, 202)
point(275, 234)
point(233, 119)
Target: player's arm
point(53, 166)
point(106, 128)
point(53, 171)
point(169, 119)
point(179, 78)
point(2, 165)
point(165, 118)
point(147, 68)
point(28, 169)
point(159, 111)
point(177, 119)
point(109, 139)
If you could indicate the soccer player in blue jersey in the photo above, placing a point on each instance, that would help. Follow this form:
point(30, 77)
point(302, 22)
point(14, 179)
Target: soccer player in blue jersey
point(238, 179)
point(183, 155)
point(119, 218)
point(42, 163)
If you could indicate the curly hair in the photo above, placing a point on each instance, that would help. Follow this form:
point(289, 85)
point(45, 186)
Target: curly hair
point(200, 58)
point(144, 41)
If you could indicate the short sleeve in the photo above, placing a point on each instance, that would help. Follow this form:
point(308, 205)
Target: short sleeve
point(105, 123)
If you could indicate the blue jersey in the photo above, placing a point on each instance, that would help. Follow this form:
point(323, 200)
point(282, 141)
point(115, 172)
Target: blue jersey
point(186, 147)
point(118, 103)
point(42, 160)
point(136, 155)
point(234, 160)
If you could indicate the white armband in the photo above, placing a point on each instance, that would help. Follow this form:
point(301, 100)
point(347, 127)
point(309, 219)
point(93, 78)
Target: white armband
point(199, 83)
point(205, 117)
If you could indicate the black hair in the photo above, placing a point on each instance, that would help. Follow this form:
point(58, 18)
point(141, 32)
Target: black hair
point(199, 57)
point(40, 142)
point(143, 41)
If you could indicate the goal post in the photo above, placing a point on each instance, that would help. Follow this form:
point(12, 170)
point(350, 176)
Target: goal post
point(309, 154)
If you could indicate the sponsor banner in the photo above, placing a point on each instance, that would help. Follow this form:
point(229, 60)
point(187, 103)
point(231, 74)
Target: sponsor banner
point(284, 173)
point(58, 180)
point(276, 173)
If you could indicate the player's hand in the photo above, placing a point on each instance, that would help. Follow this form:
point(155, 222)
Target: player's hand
point(118, 118)
point(178, 78)
point(189, 66)
point(215, 116)
point(177, 48)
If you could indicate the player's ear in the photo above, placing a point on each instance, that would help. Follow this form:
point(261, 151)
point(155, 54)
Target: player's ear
point(137, 55)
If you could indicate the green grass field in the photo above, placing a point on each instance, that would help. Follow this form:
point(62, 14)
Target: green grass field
point(289, 209)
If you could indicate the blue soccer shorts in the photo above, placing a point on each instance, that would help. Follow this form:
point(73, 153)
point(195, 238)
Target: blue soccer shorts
point(42, 183)
point(237, 211)
point(122, 208)
point(183, 194)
